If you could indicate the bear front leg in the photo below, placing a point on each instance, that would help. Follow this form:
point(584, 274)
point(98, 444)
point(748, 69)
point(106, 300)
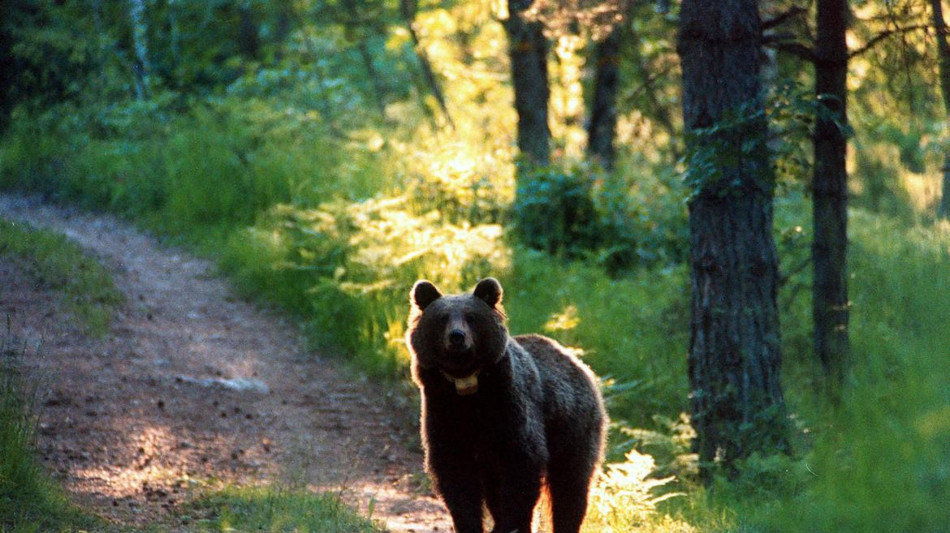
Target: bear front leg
point(513, 490)
point(451, 463)
point(456, 481)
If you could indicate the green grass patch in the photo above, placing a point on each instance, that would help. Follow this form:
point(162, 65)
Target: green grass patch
point(86, 289)
point(879, 462)
point(278, 510)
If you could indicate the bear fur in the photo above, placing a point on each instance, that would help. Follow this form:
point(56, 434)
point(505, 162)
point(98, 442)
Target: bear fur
point(502, 416)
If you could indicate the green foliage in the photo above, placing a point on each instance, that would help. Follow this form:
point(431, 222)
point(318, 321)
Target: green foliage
point(86, 288)
point(879, 188)
point(624, 499)
point(464, 184)
point(347, 267)
point(582, 213)
point(554, 211)
point(879, 463)
point(45, 57)
point(275, 509)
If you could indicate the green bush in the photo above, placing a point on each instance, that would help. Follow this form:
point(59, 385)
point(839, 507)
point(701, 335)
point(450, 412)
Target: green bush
point(554, 211)
point(580, 213)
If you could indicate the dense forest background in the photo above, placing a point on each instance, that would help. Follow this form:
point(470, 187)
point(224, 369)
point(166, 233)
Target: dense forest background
point(330, 153)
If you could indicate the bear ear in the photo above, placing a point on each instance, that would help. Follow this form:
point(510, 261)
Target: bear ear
point(424, 293)
point(489, 290)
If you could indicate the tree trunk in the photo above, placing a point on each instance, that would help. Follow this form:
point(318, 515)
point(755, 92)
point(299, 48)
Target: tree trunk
point(141, 67)
point(8, 63)
point(603, 116)
point(943, 211)
point(943, 50)
point(249, 42)
point(734, 360)
point(528, 49)
point(830, 192)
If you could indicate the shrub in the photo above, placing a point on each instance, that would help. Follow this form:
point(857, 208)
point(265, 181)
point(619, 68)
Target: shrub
point(580, 213)
point(554, 212)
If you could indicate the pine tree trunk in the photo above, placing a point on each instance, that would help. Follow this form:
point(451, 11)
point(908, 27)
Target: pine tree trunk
point(944, 210)
point(830, 193)
point(528, 49)
point(603, 116)
point(943, 51)
point(736, 400)
point(141, 65)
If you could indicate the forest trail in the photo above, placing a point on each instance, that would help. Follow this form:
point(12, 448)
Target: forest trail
point(193, 386)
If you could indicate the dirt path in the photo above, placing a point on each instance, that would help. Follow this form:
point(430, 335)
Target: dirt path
point(193, 385)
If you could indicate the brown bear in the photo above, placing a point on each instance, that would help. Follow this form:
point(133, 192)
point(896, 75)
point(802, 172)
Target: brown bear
point(502, 416)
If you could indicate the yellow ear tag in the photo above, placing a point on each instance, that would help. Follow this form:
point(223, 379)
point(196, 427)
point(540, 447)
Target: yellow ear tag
point(466, 386)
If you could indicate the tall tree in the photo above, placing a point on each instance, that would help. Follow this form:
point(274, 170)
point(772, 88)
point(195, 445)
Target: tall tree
point(603, 115)
point(734, 362)
point(8, 61)
point(142, 68)
point(830, 190)
point(528, 49)
point(943, 51)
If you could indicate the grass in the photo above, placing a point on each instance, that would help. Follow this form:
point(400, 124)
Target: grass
point(84, 287)
point(271, 509)
point(880, 460)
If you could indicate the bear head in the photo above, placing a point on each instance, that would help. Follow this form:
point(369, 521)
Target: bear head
point(457, 335)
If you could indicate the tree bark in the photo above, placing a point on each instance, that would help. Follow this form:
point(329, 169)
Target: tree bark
point(528, 49)
point(943, 51)
point(830, 192)
point(736, 400)
point(8, 63)
point(249, 42)
point(943, 211)
point(603, 117)
point(141, 67)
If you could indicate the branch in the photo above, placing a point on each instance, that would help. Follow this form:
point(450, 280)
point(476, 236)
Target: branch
point(797, 49)
point(780, 19)
point(885, 35)
point(783, 279)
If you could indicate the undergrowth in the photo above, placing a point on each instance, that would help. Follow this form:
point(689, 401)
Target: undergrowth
point(84, 287)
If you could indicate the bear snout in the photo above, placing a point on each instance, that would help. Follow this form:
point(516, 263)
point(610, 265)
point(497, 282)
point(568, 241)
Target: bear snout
point(458, 336)
point(457, 339)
